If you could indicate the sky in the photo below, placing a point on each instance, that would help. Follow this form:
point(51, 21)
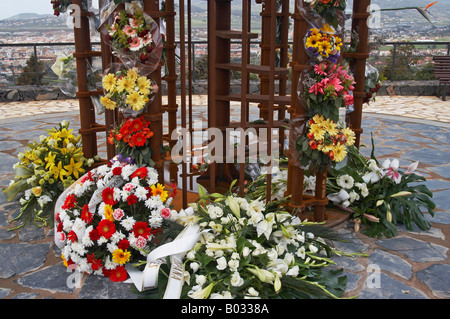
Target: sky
point(12, 7)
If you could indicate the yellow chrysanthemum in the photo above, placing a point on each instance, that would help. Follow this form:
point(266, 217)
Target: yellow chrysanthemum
point(109, 213)
point(136, 101)
point(107, 103)
point(109, 82)
point(350, 135)
point(124, 84)
point(340, 152)
point(121, 256)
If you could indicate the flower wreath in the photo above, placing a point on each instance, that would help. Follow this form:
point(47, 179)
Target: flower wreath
point(112, 216)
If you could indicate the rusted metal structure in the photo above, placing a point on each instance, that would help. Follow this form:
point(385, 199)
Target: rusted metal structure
point(274, 100)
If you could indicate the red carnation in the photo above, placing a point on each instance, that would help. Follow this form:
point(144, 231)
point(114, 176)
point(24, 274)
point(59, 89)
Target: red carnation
point(117, 170)
point(142, 229)
point(106, 228)
point(60, 227)
point(72, 236)
point(86, 215)
point(70, 202)
point(108, 196)
point(118, 274)
point(94, 235)
point(123, 244)
point(96, 264)
point(132, 199)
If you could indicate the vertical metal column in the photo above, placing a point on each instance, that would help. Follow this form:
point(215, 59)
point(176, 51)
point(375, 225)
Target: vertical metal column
point(359, 27)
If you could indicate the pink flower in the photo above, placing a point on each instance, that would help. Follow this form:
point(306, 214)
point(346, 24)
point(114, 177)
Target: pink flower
point(320, 69)
point(128, 187)
point(134, 23)
point(118, 214)
point(147, 39)
point(348, 100)
point(129, 31)
point(140, 242)
point(316, 88)
point(135, 44)
point(165, 213)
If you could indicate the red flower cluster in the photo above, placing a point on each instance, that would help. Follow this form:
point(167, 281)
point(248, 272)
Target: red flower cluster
point(134, 133)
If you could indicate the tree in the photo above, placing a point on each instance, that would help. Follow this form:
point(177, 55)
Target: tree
point(32, 72)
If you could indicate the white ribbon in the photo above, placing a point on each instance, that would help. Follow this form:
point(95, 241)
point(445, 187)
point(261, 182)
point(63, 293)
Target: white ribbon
point(148, 278)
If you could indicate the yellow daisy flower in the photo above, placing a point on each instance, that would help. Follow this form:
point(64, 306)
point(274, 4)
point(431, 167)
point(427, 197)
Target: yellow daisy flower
point(318, 131)
point(107, 103)
point(109, 213)
point(330, 127)
point(340, 152)
point(124, 84)
point(136, 101)
point(159, 190)
point(350, 135)
point(109, 82)
point(121, 256)
point(132, 74)
point(144, 85)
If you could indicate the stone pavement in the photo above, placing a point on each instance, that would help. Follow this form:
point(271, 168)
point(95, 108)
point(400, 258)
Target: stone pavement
point(415, 264)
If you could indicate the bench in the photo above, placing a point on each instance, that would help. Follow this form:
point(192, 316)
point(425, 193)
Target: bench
point(442, 72)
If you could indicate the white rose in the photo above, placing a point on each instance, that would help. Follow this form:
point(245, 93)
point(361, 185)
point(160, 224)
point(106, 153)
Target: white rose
point(236, 280)
point(221, 263)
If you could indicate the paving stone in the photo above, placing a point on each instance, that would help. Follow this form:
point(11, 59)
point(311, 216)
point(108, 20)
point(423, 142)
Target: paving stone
point(8, 145)
point(30, 233)
point(6, 163)
point(439, 217)
point(389, 288)
point(440, 198)
point(97, 287)
point(25, 295)
point(53, 278)
point(351, 244)
point(6, 234)
point(443, 171)
point(427, 155)
point(437, 278)
point(17, 258)
point(4, 292)
point(414, 249)
point(347, 263)
point(432, 232)
point(392, 263)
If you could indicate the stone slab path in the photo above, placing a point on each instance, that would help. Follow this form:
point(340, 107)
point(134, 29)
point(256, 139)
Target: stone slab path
point(415, 264)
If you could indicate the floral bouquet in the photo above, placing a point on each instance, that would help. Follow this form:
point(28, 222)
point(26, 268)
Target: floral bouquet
point(322, 44)
point(111, 217)
point(44, 170)
point(132, 139)
point(127, 91)
point(248, 250)
point(372, 83)
point(135, 36)
point(380, 196)
point(328, 9)
point(324, 143)
point(327, 88)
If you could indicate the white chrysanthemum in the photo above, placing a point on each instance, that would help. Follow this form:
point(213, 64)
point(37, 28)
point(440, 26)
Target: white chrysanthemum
point(79, 248)
point(128, 223)
point(103, 169)
point(86, 240)
point(127, 171)
point(152, 176)
point(117, 194)
point(67, 225)
point(117, 236)
point(141, 193)
point(109, 264)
